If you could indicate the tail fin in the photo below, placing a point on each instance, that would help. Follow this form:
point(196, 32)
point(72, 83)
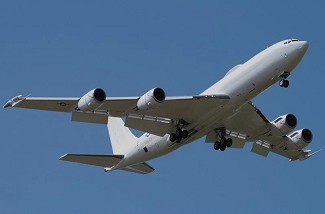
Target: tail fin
point(122, 139)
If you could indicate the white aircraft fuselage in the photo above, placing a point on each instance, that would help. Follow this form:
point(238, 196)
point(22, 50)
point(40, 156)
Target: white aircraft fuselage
point(241, 84)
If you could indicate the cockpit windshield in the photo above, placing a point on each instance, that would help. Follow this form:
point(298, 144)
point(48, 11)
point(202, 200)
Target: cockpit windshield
point(290, 40)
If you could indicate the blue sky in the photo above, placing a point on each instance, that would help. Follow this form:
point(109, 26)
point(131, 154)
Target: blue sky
point(66, 48)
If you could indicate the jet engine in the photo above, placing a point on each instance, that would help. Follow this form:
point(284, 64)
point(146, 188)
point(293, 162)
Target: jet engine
point(151, 99)
point(92, 100)
point(301, 138)
point(285, 123)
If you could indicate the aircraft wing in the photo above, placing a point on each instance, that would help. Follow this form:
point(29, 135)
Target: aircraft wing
point(40, 103)
point(250, 125)
point(248, 120)
point(188, 108)
point(115, 105)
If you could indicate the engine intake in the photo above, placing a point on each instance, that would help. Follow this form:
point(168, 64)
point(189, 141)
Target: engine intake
point(285, 123)
point(301, 138)
point(151, 99)
point(307, 135)
point(92, 100)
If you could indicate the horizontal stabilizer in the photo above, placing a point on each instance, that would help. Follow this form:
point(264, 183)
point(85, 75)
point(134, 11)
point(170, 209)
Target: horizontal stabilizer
point(142, 168)
point(96, 160)
point(107, 161)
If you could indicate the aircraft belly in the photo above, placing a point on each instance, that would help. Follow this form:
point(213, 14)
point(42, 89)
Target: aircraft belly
point(240, 93)
point(155, 147)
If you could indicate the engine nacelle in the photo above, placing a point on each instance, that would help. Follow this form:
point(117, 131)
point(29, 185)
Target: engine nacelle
point(301, 138)
point(151, 99)
point(285, 123)
point(92, 100)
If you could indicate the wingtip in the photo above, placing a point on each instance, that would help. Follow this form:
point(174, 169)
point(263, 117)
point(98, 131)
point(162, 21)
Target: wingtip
point(8, 104)
point(62, 157)
point(15, 100)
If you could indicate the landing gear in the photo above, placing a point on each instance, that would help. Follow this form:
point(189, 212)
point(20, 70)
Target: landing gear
point(284, 83)
point(229, 142)
point(185, 134)
point(223, 142)
point(172, 137)
point(222, 148)
point(216, 145)
point(178, 136)
point(180, 132)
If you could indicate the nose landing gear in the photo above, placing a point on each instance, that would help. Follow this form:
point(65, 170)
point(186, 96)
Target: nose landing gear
point(284, 83)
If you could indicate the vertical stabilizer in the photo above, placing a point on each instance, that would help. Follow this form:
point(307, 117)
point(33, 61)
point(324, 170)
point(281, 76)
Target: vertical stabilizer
point(122, 139)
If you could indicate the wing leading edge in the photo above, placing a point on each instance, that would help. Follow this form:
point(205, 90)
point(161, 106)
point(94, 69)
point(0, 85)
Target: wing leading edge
point(188, 108)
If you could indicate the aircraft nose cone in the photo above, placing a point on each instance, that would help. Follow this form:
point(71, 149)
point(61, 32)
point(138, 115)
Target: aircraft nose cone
point(303, 46)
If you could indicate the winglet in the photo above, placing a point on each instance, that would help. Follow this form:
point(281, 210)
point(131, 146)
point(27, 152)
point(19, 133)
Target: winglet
point(14, 101)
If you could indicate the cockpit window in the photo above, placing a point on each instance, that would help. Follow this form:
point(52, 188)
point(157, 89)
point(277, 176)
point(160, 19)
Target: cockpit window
point(291, 40)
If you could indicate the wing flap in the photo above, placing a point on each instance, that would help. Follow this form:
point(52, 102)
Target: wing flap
point(295, 154)
point(153, 125)
point(260, 149)
point(90, 117)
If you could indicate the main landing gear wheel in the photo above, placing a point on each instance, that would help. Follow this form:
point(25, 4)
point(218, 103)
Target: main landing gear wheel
point(178, 136)
point(229, 142)
point(223, 144)
point(185, 134)
point(284, 83)
point(172, 137)
point(223, 148)
point(216, 146)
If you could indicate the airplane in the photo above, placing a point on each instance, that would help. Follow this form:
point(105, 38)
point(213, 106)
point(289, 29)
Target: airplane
point(223, 113)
